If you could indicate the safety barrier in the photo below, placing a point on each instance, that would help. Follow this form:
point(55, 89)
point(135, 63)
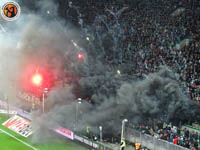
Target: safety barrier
point(91, 143)
point(150, 142)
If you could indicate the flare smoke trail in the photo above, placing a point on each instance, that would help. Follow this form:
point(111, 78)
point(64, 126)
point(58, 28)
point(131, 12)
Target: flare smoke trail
point(47, 42)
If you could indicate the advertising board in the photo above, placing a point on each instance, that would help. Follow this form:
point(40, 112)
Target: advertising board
point(19, 125)
point(67, 133)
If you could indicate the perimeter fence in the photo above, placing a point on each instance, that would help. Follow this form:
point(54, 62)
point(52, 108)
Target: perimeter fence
point(150, 142)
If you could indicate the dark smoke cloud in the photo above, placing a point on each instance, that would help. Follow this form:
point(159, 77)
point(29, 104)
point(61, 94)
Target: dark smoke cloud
point(158, 96)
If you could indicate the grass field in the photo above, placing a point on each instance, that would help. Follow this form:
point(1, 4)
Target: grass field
point(10, 140)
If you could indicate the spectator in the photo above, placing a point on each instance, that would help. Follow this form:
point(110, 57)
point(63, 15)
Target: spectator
point(175, 140)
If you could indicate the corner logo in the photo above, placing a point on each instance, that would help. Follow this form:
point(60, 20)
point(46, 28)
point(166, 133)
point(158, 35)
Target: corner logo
point(10, 11)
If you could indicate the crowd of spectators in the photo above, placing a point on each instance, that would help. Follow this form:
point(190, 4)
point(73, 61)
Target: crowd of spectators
point(150, 33)
point(154, 33)
point(173, 134)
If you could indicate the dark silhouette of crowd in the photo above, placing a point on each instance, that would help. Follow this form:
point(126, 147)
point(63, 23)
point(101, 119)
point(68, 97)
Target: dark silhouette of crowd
point(156, 33)
point(173, 134)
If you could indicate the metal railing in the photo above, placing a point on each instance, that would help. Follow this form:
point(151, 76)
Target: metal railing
point(150, 142)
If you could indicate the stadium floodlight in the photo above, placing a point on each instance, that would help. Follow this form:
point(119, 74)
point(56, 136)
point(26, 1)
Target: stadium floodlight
point(43, 97)
point(101, 135)
point(125, 120)
point(37, 79)
point(79, 101)
point(123, 128)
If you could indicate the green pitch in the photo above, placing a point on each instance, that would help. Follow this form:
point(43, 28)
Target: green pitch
point(10, 140)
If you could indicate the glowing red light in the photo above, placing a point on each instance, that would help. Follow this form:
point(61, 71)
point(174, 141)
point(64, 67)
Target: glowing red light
point(37, 79)
point(80, 56)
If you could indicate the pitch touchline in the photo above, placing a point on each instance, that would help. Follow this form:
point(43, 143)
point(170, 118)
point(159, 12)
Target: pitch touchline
point(18, 139)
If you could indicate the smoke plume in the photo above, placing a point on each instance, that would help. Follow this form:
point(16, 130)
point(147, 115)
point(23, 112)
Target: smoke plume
point(46, 40)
